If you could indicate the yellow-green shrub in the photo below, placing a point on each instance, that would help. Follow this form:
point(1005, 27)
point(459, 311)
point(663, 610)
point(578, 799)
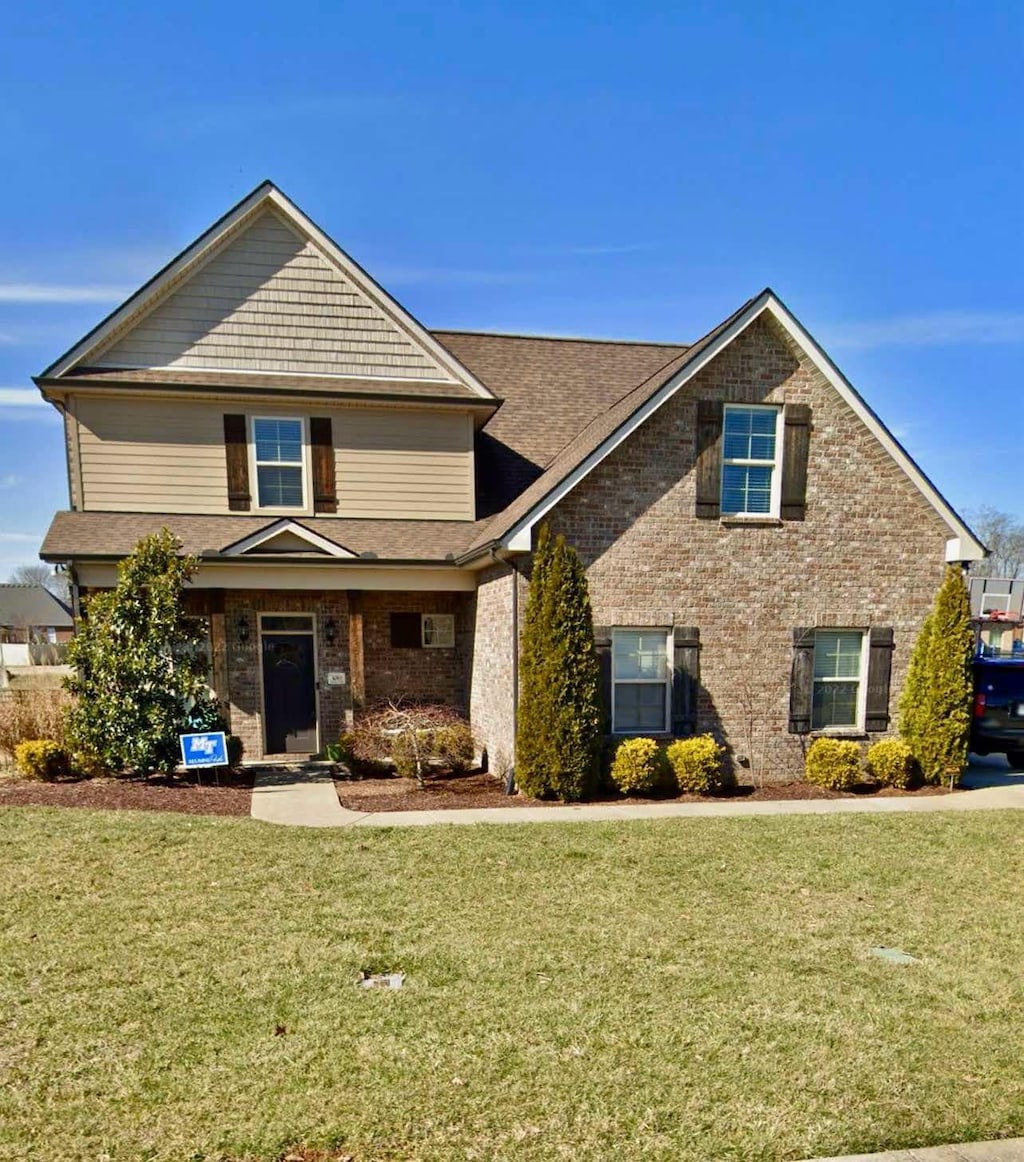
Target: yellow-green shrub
point(41, 758)
point(891, 763)
point(698, 765)
point(833, 763)
point(640, 767)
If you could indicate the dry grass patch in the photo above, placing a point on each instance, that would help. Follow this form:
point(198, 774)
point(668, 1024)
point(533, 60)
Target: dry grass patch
point(176, 988)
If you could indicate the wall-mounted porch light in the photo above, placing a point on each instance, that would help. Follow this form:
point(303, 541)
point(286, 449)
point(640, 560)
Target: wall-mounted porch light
point(330, 631)
point(242, 629)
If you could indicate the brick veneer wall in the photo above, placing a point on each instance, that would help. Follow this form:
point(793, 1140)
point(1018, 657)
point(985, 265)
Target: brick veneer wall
point(490, 665)
point(243, 658)
point(436, 675)
point(870, 551)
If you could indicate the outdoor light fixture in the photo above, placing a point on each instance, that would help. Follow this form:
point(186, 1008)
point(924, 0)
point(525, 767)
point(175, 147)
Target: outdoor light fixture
point(242, 629)
point(329, 631)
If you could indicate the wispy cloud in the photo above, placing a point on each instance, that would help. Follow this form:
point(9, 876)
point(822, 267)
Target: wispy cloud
point(10, 481)
point(21, 397)
point(19, 538)
point(39, 293)
point(935, 329)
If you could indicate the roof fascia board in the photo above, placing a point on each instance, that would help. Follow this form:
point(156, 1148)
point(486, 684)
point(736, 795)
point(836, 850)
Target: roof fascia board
point(518, 538)
point(963, 542)
point(963, 546)
point(285, 525)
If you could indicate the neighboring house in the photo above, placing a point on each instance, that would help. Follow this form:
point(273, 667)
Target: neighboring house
point(30, 614)
point(364, 495)
point(33, 627)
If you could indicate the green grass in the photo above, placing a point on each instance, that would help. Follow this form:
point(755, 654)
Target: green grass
point(681, 990)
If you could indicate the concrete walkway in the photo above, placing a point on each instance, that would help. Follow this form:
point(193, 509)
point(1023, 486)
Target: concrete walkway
point(1007, 1150)
point(304, 796)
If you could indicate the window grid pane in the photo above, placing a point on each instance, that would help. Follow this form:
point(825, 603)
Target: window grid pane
point(746, 489)
point(639, 706)
point(835, 704)
point(837, 655)
point(749, 434)
point(278, 441)
point(642, 656)
point(279, 487)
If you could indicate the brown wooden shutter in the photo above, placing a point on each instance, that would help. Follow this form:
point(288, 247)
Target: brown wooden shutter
point(685, 679)
point(795, 445)
point(801, 685)
point(880, 646)
point(709, 459)
point(603, 649)
point(321, 439)
point(406, 631)
point(236, 450)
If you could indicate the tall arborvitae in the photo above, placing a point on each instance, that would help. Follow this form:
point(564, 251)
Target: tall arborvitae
point(935, 709)
point(559, 734)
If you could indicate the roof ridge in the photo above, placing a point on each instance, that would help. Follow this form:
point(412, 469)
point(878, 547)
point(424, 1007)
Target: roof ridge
point(558, 338)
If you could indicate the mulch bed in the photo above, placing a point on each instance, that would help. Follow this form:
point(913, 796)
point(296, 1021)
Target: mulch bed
point(450, 792)
point(182, 795)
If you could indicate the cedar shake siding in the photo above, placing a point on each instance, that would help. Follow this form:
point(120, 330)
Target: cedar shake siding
point(868, 553)
point(168, 455)
point(269, 301)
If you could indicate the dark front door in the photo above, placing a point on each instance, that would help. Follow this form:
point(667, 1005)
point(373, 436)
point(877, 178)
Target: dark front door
point(289, 693)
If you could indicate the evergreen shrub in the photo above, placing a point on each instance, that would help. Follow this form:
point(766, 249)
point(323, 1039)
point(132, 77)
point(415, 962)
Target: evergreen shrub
point(559, 731)
point(890, 763)
point(833, 763)
point(698, 765)
point(641, 767)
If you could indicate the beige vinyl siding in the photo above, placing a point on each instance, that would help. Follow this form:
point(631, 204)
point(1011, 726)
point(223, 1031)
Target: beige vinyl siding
point(270, 301)
point(152, 456)
point(165, 455)
point(404, 464)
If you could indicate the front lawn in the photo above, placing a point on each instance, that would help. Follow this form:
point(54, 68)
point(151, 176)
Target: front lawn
point(183, 989)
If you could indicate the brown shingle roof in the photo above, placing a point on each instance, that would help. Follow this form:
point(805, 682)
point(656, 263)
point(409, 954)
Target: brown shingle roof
point(552, 388)
point(586, 440)
point(115, 534)
point(32, 605)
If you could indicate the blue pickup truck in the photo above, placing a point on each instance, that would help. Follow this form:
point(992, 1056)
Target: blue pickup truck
point(997, 724)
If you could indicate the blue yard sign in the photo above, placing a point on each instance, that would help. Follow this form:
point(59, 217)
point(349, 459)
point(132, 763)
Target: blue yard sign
point(204, 750)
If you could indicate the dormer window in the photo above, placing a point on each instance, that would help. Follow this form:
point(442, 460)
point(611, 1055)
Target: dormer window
point(279, 456)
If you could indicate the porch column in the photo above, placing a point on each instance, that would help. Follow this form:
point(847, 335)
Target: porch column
point(357, 673)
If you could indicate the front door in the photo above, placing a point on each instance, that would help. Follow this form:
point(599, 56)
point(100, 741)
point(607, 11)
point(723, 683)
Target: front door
point(289, 689)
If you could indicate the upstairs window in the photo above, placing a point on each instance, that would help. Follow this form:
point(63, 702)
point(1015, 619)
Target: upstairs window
point(750, 460)
point(641, 681)
point(838, 679)
point(280, 463)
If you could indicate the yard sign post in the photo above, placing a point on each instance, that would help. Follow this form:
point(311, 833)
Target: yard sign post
point(209, 749)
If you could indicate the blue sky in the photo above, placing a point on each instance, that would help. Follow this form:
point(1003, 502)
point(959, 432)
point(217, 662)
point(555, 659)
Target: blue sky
point(585, 168)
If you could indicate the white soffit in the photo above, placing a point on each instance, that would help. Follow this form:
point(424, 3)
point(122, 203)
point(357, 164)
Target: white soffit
point(964, 544)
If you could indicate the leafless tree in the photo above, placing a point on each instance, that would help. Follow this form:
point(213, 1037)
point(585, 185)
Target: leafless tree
point(41, 574)
point(1004, 535)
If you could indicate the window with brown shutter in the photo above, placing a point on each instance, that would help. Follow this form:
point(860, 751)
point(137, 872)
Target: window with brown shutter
point(796, 445)
point(321, 440)
point(236, 451)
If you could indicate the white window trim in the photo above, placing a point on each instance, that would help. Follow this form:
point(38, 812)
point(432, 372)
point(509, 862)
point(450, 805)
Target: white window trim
point(423, 631)
point(306, 508)
point(776, 464)
point(666, 681)
point(858, 727)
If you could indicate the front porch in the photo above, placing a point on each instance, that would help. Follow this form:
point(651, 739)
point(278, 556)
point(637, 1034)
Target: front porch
point(293, 666)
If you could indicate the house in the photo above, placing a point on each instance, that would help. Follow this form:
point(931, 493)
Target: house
point(30, 614)
point(364, 494)
point(34, 625)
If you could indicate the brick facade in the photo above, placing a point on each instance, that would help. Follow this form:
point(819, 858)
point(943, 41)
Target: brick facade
point(870, 551)
point(490, 665)
point(436, 675)
point(242, 658)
